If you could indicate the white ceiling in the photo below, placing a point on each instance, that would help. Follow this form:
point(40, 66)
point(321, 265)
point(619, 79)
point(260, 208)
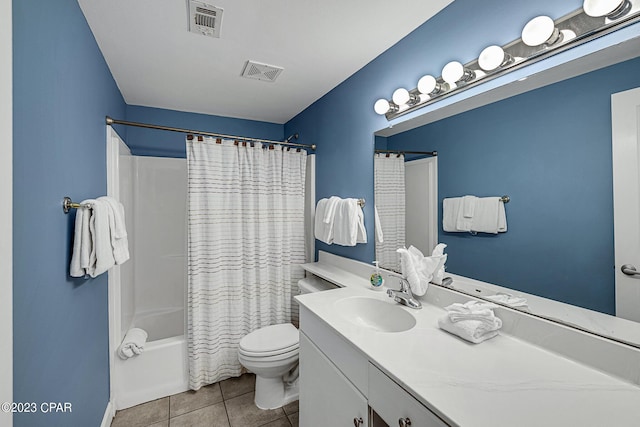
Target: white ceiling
point(156, 62)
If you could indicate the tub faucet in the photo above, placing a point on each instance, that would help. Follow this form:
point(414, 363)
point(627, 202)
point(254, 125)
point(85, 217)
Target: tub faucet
point(404, 295)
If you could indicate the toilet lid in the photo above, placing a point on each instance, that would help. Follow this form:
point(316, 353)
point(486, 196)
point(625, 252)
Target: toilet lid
point(271, 339)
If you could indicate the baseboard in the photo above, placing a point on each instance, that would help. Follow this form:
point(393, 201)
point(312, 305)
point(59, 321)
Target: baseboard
point(109, 413)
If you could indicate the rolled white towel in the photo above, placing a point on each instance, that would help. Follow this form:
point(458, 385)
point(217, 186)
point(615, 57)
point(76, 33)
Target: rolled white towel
point(133, 343)
point(508, 299)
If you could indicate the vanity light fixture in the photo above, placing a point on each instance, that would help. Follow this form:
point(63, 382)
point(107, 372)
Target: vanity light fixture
point(541, 37)
point(540, 30)
point(402, 96)
point(382, 106)
point(494, 57)
point(428, 85)
point(455, 72)
point(612, 9)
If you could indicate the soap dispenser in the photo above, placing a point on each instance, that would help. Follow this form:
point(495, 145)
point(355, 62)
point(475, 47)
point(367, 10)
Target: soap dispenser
point(376, 278)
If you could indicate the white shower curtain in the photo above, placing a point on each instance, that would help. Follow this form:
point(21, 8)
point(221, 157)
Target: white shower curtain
point(390, 203)
point(246, 244)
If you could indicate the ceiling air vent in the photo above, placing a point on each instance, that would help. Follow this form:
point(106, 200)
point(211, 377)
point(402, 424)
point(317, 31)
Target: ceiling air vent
point(258, 71)
point(204, 19)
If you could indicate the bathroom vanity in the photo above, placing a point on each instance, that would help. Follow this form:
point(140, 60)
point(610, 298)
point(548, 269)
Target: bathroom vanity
point(367, 361)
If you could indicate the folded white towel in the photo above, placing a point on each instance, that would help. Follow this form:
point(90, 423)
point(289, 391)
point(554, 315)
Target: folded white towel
point(117, 229)
point(474, 321)
point(378, 226)
point(133, 343)
point(464, 219)
point(508, 299)
point(81, 242)
point(471, 330)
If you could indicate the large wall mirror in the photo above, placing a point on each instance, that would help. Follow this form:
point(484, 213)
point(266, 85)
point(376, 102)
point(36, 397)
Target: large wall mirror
point(550, 150)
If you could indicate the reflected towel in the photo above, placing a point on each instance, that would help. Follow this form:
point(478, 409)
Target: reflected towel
point(508, 299)
point(133, 343)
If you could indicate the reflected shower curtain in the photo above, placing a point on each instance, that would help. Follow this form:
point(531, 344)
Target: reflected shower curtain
point(390, 203)
point(245, 247)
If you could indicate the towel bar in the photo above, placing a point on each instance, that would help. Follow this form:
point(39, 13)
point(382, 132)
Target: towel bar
point(361, 203)
point(68, 204)
point(505, 199)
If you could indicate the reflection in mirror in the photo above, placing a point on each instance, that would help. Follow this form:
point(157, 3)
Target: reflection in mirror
point(406, 194)
point(550, 149)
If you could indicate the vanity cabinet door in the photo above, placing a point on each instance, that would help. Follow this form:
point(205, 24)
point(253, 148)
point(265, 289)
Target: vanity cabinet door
point(327, 398)
point(395, 406)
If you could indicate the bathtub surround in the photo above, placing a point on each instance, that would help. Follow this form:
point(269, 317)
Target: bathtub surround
point(246, 241)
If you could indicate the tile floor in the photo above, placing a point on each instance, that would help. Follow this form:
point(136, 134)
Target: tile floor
point(228, 403)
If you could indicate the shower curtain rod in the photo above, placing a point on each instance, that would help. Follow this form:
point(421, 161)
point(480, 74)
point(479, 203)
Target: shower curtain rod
point(430, 153)
point(111, 121)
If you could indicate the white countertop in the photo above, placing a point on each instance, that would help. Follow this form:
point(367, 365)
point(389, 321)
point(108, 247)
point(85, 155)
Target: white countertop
point(501, 382)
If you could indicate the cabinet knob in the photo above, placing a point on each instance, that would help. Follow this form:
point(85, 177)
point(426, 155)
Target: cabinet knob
point(358, 421)
point(404, 422)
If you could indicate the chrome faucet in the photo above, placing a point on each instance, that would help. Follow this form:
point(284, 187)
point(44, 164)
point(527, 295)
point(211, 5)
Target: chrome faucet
point(404, 295)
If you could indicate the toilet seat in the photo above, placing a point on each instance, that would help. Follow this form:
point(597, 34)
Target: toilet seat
point(270, 341)
point(261, 358)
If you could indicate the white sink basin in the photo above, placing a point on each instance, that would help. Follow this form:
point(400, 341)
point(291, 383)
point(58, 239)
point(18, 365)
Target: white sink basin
point(375, 314)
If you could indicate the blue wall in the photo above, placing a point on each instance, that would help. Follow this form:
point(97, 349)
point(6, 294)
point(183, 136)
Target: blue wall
point(342, 122)
point(550, 151)
point(148, 142)
point(62, 92)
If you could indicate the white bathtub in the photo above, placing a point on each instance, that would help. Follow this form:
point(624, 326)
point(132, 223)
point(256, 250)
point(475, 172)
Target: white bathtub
point(162, 369)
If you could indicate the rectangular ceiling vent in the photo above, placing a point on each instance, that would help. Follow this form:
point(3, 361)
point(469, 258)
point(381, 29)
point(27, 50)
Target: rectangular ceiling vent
point(258, 71)
point(204, 19)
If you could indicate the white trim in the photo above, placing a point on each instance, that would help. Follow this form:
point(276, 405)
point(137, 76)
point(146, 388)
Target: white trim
point(114, 145)
point(6, 219)
point(109, 413)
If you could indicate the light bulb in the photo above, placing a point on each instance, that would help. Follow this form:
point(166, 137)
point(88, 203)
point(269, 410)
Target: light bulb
point(428, 85)
point(493, 57)
point(401, 96)
point(454, 72)
point(612, 9)
point(381, 106)
point(540, 30)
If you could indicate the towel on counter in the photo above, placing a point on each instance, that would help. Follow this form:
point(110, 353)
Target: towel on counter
point(133, 343)
point(510, 300)
point(473, 321)
point(419, 270)
point(450, 210)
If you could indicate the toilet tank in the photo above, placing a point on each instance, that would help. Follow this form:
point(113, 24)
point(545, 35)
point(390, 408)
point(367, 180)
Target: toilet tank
point(314, 284)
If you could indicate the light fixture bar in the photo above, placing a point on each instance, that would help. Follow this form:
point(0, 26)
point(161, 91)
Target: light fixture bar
point(574, 28)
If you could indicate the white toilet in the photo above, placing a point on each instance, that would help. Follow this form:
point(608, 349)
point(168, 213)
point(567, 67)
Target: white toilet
point(272, 354)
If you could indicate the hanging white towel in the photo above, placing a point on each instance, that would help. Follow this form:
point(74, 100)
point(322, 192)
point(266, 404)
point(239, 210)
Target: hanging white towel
point(101, 258)
point(450, 209)
point(348, 223)
point(117, 229)
point(378, 226)
point(324, 219)
point(133, 343)
point(486, 215)
point(464, 219)
point(82, 242)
